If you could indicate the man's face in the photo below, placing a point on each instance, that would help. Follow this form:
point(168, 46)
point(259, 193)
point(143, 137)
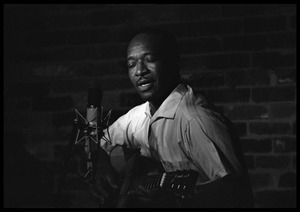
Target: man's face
point(146, 68)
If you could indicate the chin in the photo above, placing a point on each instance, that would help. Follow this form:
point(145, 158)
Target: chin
point(146, 96)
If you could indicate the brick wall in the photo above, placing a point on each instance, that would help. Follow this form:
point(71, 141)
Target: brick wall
point(243, 57)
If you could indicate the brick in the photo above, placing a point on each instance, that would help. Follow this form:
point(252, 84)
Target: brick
point(16, 120)
point(242, 10)
point(120, 33)
point(282, 110)
point(191, 64)
point(71, 8)
point(261, 128)
point(281, 8)
point(276, 199)
point(17, 104)
point(199, 45)
point(260, 180)
point(63, 133)
point(273, 94)
point(220, 27)
point(70, 53)
point(38, 71)
point(219, 108)
point(52, 103)
point(273, 59)
point(111, 100)
point(286, 75)
point(246, 112)
point(256, 145)
point(286, 40)
point(227, 95)
point(13, 139)
point(114, 83)
point(246, 78)
point(63, 21)
point(30, 89)
point(249, 161)
point(287, 179)
point(69, 37)
point(87, 36)
point(245, 43)
point(273, 162)
point(174, 12)
point(205, 80)
point(72, 85)
point(214, 62)
point(284, 144)
point(241, 128)
point(25, 17)
point(226, 61)
point(264, 24)
point(130, 99)
point(63, 118)
point(85, 68)
point(203, 28)
point(41, 39)
point(196, 11)
point(108, 17)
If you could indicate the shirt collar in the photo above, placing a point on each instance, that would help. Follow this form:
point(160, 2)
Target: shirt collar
point(169, 106)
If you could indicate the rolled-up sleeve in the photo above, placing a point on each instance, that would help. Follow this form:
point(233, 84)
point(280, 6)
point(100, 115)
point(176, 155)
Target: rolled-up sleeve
point(115, 134)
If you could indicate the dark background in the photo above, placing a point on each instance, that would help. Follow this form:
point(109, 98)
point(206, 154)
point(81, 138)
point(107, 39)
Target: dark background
point(243, 56)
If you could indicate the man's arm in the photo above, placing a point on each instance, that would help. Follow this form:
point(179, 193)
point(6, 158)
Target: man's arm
point(209, 144)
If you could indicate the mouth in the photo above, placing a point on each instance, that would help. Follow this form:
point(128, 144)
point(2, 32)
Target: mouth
point(144, 84)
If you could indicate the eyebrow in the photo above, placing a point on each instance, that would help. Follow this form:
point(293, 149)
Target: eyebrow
point(143, 55)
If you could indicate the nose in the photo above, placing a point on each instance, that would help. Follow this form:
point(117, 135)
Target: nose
point(141, 68)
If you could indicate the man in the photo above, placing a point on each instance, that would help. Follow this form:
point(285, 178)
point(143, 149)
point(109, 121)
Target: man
point(176, 128)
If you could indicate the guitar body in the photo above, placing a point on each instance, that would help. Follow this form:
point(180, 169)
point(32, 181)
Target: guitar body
point(142, 171)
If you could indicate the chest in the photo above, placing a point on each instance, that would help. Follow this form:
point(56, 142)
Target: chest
point(159, 139)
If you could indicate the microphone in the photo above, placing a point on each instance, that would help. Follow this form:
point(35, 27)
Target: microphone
point(88, 129)
point(94, 113)
point(91, 128)
point(93, 120)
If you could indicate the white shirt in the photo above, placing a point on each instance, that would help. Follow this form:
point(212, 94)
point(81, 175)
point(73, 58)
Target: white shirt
point(182, 134)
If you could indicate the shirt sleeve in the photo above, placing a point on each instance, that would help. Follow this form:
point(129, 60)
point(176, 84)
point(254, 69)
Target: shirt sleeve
point(115, 134)
point(209, 145)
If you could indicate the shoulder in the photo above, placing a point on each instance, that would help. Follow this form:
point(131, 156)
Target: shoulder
point(137, 110)
point(133, 114)
point(197, 110)
point(194, 105)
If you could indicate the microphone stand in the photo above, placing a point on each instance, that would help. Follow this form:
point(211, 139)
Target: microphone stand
point(87, 129)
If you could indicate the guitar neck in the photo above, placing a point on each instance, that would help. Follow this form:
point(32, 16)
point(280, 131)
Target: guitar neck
point(151, 181)
point(148, 182)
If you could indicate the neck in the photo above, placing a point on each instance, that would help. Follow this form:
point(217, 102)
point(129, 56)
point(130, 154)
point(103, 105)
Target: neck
point(155, 104)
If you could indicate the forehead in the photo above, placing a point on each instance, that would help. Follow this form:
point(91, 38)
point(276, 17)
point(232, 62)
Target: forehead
point(145, 43)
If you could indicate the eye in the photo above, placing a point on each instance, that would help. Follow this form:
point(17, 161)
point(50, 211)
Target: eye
point(131, 63)
point(151, 59)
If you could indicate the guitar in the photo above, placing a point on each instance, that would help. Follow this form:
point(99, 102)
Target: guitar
point(140, 170)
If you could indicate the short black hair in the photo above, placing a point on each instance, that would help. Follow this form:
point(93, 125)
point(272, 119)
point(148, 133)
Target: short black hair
point(168, 41)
